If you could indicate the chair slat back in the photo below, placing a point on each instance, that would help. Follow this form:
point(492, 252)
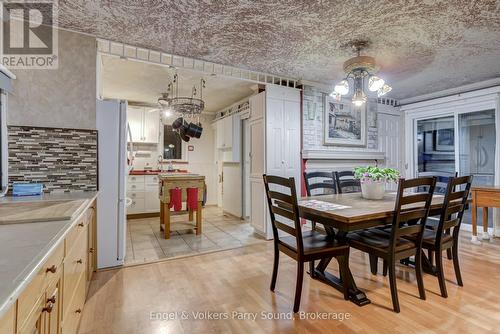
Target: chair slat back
point(455, 202)
point(346, 183)
point(320, 180)
point(282, 202)
point(411, 209)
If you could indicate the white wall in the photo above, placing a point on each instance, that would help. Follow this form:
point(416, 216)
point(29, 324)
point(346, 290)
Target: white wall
point(200, 161)
point(59, 98)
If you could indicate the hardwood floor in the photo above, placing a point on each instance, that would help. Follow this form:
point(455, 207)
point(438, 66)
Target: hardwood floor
point(121, 301)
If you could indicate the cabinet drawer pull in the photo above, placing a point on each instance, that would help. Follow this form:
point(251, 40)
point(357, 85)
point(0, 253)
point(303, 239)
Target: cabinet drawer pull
point(52, 269)
point(81, 224)
point(91, 250)
point(48, 308)
point(51, 300)
point(78, 311)
point(80, 261)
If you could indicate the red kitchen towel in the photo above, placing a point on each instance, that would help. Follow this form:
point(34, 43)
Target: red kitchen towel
point(192, 198)
point(175, 199)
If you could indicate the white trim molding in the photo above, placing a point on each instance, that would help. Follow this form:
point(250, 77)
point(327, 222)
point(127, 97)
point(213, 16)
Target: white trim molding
point(342, 155)
point(116, 49)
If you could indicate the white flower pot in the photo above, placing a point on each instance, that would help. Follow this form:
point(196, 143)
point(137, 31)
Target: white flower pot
point(373, 189)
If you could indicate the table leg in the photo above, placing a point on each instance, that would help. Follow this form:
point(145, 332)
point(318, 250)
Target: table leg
point(198, 218)
point(190, 213)
point(166, 221)
point(486, 236)
point(161, 215)
point(474, 239)
point(357, 296)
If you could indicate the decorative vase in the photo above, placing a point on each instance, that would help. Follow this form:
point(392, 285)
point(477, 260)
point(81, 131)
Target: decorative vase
point(373, 189)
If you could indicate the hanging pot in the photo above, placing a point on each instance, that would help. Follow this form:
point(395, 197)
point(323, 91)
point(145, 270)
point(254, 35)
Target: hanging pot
point(183, 134)
point(194, 130)
point(178, 123)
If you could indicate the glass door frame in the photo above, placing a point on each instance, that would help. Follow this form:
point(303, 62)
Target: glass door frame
point(456, 116)
point(456, 105)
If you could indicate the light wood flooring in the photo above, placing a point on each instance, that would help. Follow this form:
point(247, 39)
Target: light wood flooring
point(121, 301)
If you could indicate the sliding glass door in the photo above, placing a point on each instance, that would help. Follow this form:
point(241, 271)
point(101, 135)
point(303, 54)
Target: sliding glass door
point(462, 142)
point(436, 146)
point(477, 146)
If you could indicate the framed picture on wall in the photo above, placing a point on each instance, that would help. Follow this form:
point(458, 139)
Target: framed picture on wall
point(344, 124)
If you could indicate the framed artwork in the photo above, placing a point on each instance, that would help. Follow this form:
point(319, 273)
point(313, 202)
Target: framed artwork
point(344, 124)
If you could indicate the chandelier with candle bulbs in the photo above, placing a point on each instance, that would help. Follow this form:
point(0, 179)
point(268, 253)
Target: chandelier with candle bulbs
point(360, 74)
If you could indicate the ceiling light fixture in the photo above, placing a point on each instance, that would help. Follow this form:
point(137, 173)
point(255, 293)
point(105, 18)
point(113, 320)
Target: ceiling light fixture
point(358, 70)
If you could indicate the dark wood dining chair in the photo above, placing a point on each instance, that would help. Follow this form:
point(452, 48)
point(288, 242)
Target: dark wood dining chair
point(319, 183)
point(301, 246)
point(346, 183)
point(445, 236)
point(391, 246)
point(442, 180)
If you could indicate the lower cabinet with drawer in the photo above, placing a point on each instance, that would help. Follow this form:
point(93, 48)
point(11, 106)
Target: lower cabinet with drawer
point(143, 193)
point(53, 301)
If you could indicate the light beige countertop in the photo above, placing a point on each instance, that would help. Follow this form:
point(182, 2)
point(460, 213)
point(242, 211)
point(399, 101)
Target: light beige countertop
point(25, 246)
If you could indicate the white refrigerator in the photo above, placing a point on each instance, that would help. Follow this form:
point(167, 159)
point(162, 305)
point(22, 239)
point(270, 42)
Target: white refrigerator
point(113, 167)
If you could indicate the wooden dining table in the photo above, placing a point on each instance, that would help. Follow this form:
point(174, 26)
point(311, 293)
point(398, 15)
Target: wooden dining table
point(344, 213)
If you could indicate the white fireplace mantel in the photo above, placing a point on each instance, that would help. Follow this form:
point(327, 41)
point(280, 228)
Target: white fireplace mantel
point(319, 154)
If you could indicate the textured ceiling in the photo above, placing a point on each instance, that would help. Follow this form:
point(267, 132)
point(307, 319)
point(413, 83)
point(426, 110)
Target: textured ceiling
point(142, 82)
point(422, 46)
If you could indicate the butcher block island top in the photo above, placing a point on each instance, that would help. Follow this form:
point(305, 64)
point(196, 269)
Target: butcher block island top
point(24, 247)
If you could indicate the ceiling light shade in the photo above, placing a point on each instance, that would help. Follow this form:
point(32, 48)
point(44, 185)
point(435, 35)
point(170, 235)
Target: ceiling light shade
point(359, 98)
point(342, 87)
point(384, 90)
point(375, 83)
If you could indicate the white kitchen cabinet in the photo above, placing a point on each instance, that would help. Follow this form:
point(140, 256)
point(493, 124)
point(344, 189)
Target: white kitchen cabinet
point(143, 191)
point(144, 124)
point(228, 132)
point(151, 126)
point(229, 137)
point(134, 117)
point(219, 128)
point(257, 106)
point(275, 147)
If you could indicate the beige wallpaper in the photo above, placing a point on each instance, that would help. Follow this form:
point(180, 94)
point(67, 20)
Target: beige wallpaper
point(62, 98)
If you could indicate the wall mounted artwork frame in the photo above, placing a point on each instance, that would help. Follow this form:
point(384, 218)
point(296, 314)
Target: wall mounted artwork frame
point(344, 124)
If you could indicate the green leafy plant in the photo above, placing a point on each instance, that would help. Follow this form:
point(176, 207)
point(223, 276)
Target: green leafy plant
point(373, 173)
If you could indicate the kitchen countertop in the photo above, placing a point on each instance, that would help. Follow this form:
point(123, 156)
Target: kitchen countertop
point(24, 247)
point(156, 172)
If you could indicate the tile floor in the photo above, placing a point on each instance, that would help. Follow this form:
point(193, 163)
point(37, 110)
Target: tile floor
point(145, 243)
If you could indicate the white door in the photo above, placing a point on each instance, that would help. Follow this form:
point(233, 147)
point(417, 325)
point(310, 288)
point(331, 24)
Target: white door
point(275, 137)
point(258, 208)
point(390, 142)
point(246, 168)
point(151, 126)
point(135, 120)
point(291, 142)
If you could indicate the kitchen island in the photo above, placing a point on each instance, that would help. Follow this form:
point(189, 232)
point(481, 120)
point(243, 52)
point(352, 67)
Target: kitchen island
point(46, 265)
point(182, 181)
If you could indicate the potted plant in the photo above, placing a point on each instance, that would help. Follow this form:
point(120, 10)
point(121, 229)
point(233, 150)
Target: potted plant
point(373, 180)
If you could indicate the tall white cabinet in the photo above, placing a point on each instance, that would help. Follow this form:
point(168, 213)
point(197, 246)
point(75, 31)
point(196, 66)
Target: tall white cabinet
point(144, 124)
point(274, 146)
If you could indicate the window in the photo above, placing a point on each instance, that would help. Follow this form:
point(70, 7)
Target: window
point(172, 145)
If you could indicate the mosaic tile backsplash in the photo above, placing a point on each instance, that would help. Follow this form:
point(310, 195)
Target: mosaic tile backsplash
point(64, 160)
